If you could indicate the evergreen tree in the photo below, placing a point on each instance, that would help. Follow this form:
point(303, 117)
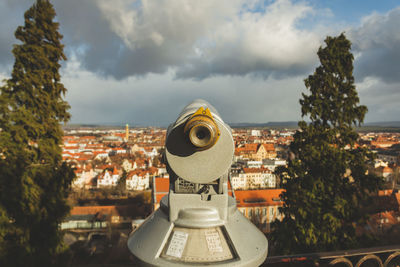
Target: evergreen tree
point(121, 184)
point(34, 182)
point(326, 181)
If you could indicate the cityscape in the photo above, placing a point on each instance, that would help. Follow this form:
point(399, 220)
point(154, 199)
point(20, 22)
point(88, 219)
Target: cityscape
point(122, 163)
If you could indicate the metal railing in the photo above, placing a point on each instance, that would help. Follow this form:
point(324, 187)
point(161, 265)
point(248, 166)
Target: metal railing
point(375, 256)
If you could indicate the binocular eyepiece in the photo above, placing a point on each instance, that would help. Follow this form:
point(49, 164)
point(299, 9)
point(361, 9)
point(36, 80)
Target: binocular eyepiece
point(201, 129)
point(199, 146)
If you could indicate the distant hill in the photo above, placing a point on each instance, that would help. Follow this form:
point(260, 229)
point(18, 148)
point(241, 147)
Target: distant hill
point(384, 124)
point(280, 124)
point(91, 126)
point(391, 125)
point(291, 124)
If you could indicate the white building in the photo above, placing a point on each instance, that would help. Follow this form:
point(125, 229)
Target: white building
point(108, 179)
point(129, 165)
point(150, 152)
point(83, 178)
point(253, 178)
point(101, 155)
point(271, 164)
point(138, 180)
point(238, 181)
point(254, 164)
point(255, 133)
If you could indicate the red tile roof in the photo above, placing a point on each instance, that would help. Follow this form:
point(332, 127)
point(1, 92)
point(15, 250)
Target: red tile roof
point(161, 185)
point(160, 189)
point(386, 192)
point(262, 197)
point(110, 210)
point(248, 148)
point(269, 147)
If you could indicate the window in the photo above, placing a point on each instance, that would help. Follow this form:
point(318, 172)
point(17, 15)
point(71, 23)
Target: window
point(271, 212)
point(278, 214)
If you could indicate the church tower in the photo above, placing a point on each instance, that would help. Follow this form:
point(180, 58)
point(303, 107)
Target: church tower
point(126, 133)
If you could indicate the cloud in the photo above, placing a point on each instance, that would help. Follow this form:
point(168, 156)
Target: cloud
point(134, 38)
point(382, 99)
point(261, 43)
point(376, 44)
point(87, 34)
point(196, 39)
point(158, 98)
point(10, 22)
point(141, 61)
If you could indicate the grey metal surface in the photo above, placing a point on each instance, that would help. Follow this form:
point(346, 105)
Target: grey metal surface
point(193, 107)
point(247, 245)
point(216, 208)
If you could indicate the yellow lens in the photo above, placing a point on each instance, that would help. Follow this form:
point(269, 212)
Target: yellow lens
point(202, 130)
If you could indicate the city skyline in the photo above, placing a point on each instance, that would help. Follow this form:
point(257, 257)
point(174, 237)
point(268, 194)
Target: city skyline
point(140, 62)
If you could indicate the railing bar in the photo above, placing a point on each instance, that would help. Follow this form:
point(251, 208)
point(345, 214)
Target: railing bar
point(360, 253)
point(334, 254)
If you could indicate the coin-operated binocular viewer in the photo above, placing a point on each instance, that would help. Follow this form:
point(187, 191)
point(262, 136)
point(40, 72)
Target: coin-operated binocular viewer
point(198, 222)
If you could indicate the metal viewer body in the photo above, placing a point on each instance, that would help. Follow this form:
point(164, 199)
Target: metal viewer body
point(198, 223)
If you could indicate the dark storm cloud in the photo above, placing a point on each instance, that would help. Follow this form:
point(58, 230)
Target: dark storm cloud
point(158, 99)
point(102, 47)
point(87, 34)
point(10, 22)
point(144, 60)
point(377, 46)
point(234, 66)
point(381, 99)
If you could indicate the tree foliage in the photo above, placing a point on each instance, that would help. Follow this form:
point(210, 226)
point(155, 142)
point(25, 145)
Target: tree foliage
point(326, 182)
point(34, 182)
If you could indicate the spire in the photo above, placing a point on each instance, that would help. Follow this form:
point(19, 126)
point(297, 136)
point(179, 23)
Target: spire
point(126, 132)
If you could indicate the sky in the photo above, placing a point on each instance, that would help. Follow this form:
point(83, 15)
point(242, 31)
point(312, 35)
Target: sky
point(141, 62)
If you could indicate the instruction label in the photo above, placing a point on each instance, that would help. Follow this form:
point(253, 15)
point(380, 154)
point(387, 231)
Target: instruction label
point(177, 244)
point(213, 241)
